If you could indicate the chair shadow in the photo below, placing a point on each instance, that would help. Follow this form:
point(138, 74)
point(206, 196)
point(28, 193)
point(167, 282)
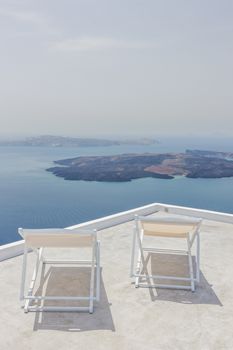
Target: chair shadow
point(71, 281)
point(177, 265)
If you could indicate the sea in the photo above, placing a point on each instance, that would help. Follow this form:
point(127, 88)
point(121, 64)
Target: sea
point(31, 197)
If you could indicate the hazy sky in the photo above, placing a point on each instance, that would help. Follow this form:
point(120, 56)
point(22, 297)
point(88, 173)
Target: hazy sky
point(111, 67)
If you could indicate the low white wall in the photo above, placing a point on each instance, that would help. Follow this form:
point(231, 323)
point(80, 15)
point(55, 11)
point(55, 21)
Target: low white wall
point(16, 248)
point(198, 213)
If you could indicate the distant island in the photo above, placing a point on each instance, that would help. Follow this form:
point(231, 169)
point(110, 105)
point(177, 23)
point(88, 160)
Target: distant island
point(126, 167)
point(64, 141)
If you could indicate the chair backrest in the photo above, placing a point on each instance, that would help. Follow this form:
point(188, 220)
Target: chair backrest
point(58, 237)
point(168, 227)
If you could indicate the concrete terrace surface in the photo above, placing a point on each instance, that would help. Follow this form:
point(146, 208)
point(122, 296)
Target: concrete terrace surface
point(126, 317)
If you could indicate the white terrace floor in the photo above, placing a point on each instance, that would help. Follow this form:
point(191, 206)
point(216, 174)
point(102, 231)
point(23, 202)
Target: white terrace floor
point(129, 318)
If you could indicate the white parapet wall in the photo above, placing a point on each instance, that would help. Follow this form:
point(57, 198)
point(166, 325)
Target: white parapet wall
point(11, 250)
point(198, 213)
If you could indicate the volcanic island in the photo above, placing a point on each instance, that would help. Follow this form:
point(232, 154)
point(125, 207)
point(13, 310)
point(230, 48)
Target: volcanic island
point(127, 167)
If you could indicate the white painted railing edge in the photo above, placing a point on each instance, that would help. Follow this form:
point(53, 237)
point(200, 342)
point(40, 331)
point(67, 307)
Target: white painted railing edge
point(200, 213)
point(118, 218)
point(11, 250)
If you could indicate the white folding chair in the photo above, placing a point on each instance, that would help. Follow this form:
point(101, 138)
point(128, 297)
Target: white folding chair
point(37, 240)
point(187, 229)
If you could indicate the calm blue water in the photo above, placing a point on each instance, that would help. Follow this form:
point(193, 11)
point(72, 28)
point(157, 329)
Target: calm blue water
point(32, 197)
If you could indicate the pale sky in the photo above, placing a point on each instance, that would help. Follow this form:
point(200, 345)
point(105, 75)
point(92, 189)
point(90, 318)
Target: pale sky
point(116, 67)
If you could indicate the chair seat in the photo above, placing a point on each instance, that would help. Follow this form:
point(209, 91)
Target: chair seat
point(56, 238)
point(64, 241)
point(176, 231)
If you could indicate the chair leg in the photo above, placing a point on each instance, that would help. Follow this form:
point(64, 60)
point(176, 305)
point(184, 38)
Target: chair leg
point(133, 254)
point(23, 277)
point(198, 259)
point(137, 271)
point(33, 280)
point(91, 303)
point(98, 271)
point(140, 255)
point(190, 265)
